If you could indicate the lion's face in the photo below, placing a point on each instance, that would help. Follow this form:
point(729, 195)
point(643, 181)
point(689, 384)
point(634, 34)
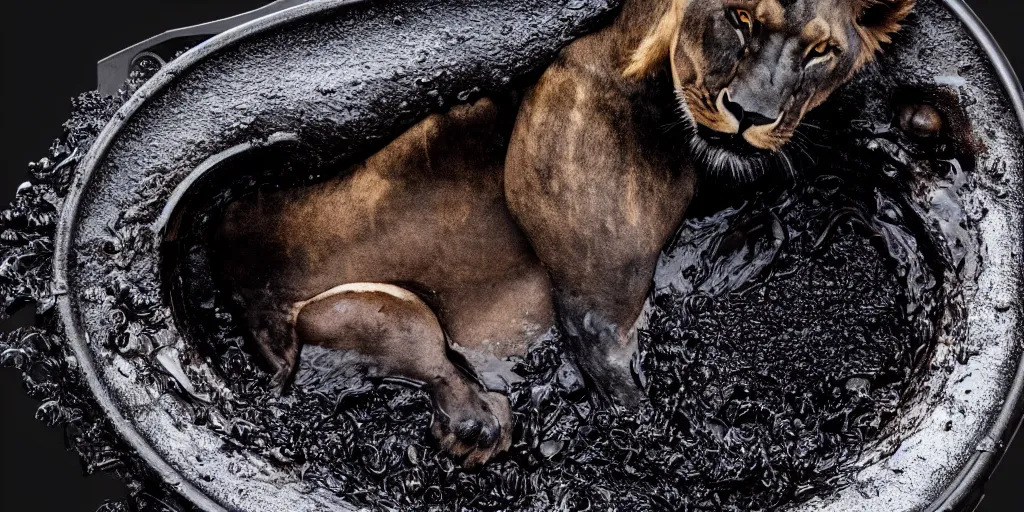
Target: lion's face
point(747, 71)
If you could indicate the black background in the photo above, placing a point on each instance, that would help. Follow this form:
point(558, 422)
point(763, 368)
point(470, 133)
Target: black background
point(50, 48)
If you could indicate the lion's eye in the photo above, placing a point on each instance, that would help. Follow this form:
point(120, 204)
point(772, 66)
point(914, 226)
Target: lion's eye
point(742, 20)
point(819, 51)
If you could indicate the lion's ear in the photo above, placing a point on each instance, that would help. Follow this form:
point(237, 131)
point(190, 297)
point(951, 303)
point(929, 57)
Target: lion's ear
point(656, 46)
point(877, 20)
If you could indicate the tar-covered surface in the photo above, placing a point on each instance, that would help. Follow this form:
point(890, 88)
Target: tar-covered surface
point(783, 336)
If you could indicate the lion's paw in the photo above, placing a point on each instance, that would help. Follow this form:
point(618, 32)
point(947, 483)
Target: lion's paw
point(474, 429)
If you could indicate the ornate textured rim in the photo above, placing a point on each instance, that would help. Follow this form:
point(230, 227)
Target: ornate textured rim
point(114, 69)
point(967, 484)
point(63, 240)
point(962, 488)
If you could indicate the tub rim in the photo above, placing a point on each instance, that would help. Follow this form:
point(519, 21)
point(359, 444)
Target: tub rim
point(968, 484)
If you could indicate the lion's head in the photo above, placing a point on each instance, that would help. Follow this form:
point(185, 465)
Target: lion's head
point(747, 71)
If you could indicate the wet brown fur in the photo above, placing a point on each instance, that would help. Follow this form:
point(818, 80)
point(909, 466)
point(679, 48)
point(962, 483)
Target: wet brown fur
point(599, 186)
point(428, 213)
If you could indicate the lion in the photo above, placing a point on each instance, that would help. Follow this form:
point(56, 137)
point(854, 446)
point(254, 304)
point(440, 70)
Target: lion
point(488, 225)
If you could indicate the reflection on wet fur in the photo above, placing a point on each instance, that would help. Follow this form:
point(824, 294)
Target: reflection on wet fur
point(490, 224)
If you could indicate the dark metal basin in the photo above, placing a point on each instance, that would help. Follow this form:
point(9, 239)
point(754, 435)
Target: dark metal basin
point(385, 64)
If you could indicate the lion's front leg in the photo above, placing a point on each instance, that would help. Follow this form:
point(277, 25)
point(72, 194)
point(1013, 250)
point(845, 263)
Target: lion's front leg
point(601, 282)
point(600, 340)
point(602, 270)
point(597, 203)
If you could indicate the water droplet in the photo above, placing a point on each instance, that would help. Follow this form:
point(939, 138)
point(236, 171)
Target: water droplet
point(549, 449)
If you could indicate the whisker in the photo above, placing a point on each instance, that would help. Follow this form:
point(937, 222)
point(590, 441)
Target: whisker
point(810, 141)
point(791, 171)
point(668, 127)
point(810, 125)
point(800, 142)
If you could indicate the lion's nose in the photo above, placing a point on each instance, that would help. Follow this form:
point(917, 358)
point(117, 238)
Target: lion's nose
point(746, 118)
